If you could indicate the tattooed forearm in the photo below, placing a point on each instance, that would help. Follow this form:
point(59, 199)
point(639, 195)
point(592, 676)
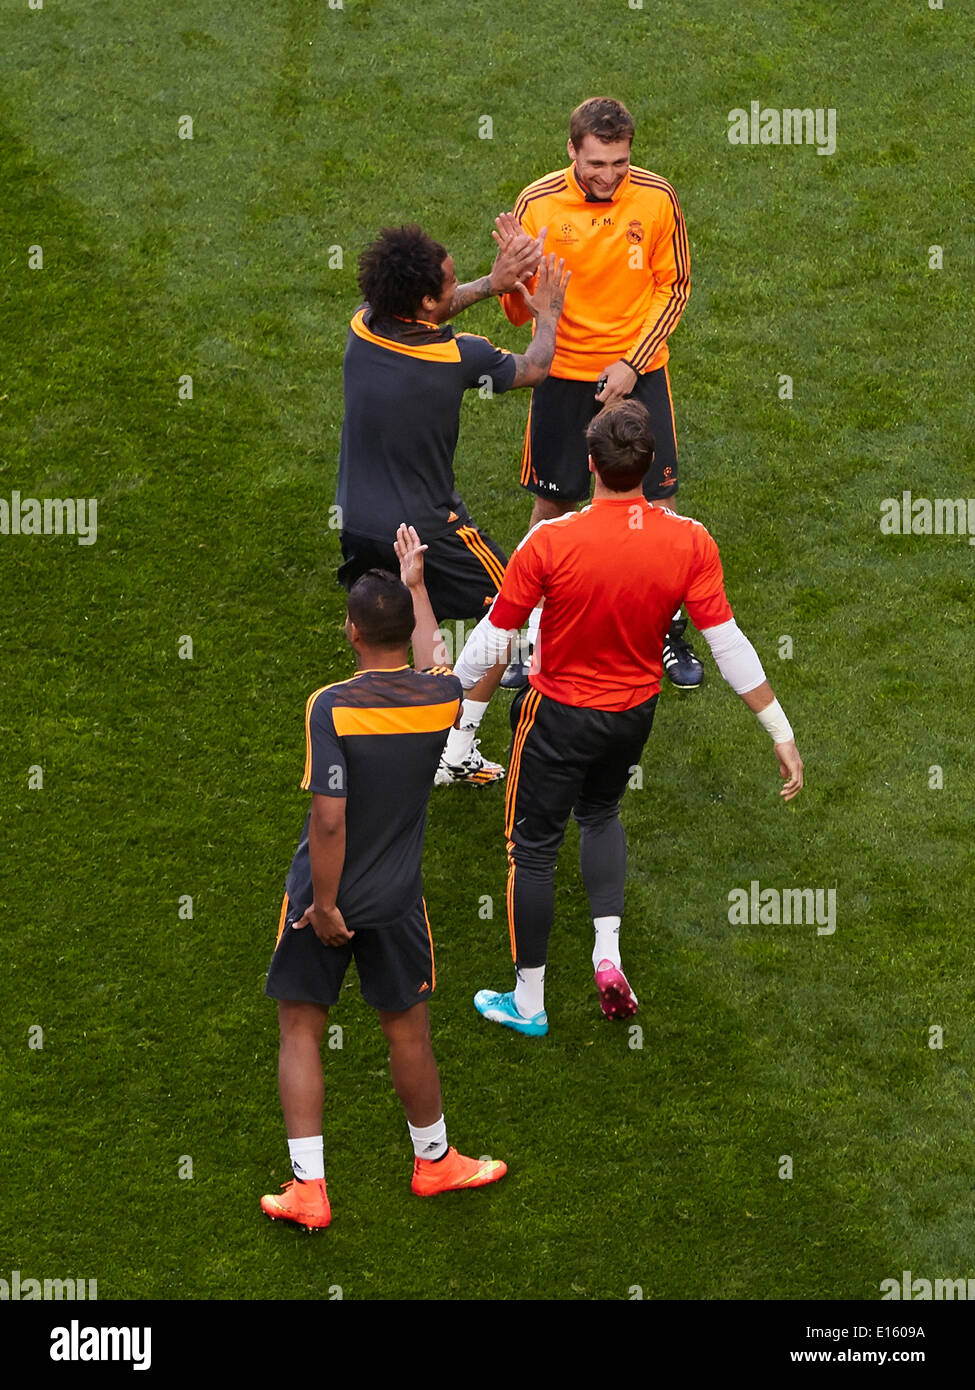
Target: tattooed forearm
point(532, 367)
point(471, 293)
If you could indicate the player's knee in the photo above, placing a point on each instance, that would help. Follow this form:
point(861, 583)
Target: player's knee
point(592, 815)
point(534, 861)
point(298, 1019)
point(406, 1027)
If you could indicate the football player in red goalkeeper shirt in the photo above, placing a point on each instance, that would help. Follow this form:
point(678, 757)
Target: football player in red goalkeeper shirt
point(611, 576)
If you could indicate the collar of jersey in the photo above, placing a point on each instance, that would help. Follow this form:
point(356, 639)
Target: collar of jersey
point(617, 501)
point(424, 323)
point(382, 670)
point(573, 181)
point(416, 331)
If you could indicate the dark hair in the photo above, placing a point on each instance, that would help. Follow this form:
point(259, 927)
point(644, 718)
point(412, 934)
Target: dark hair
point(620, 442)
point(603, 117)
point(399, 268)
point(381, 606)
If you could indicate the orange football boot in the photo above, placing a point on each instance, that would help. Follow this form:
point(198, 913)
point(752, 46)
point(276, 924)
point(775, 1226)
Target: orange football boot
point(305, 1203)
point(454, 1171)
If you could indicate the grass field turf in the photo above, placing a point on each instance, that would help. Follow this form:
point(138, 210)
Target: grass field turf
point(655, 1167)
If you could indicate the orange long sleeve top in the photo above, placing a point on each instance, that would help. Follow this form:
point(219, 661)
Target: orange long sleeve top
point(630, 268)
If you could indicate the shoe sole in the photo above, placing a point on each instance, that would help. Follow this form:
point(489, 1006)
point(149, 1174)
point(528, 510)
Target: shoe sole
point(528, 1032)
point(302, 1225)
point(616, 998)
point(476, 781)
point(525, 1027)
point(296, 1221)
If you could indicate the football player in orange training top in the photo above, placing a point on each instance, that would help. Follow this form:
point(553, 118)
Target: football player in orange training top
point(620, 230)
point(355, 889)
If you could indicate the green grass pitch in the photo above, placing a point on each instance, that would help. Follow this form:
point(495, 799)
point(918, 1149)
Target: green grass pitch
point(654, 1167)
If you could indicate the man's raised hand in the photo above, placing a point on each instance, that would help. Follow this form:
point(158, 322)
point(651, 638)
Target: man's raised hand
point(409, 552)
point(518, 254)
point(548, 297)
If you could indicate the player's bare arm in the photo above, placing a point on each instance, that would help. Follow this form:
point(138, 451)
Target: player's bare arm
point(517, 259)
point(545, 305)
point(759, 701)
point(326, 849)
point(738, 662)
point(427, 644)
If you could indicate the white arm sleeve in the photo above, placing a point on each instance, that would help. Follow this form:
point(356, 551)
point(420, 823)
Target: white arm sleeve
point(735, 657)
point(486, 646)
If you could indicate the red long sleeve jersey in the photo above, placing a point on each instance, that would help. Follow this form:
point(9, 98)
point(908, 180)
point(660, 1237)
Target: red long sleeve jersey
point(611, 576)
point(630, 268)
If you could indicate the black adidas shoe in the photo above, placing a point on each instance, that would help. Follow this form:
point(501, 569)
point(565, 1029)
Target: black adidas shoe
point(680, 663)
point(516, 676)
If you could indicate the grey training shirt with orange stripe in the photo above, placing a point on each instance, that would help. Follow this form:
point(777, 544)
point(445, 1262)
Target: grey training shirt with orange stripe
point(404, 383)
point(376, 740)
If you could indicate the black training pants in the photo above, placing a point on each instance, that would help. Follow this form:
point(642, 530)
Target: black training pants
point(566, 760)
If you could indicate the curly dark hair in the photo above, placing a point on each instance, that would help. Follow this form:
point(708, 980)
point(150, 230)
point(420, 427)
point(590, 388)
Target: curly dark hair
point(399, 268)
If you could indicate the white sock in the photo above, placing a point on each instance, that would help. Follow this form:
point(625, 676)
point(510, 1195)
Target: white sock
point(461, 741)
point(607, 945)
point(534, 618)
point(307, 1157)
point(530, 991)
point(430, 1142)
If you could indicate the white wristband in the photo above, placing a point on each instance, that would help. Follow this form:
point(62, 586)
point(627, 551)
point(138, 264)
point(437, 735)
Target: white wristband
point(773, 721)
